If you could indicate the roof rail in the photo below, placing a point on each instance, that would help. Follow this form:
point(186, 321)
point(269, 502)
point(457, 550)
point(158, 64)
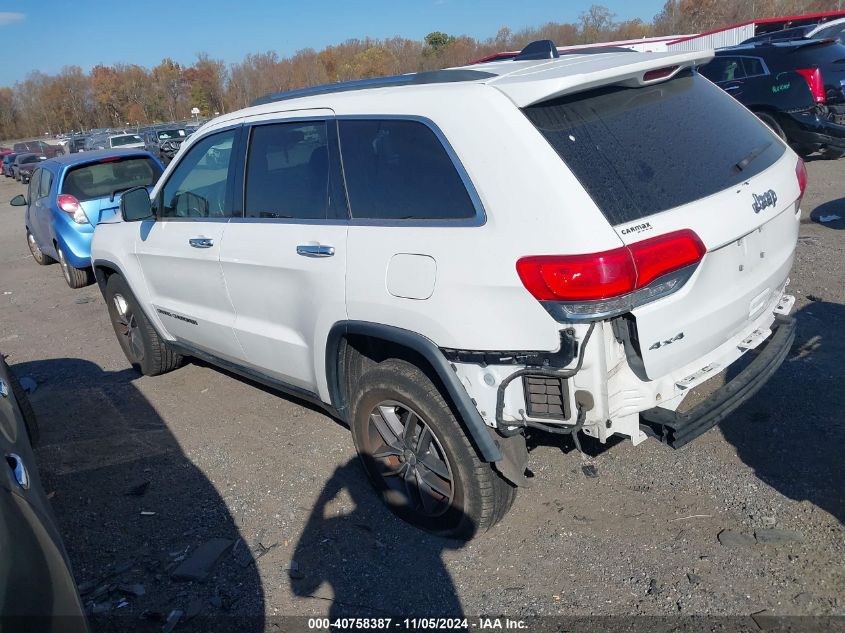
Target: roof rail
point(429, 77)
point(540, 49)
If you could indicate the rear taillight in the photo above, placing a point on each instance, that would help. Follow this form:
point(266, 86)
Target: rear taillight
point(801, 174)
point(71, 206)
point(578, 277)
point(814, 79)
point(611, 282)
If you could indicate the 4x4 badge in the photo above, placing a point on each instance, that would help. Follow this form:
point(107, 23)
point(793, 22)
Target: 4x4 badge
point(764, 200)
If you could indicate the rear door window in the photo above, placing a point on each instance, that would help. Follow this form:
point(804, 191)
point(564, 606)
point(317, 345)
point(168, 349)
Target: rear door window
point(753, 66)
point(639, 151)
point(399, 170)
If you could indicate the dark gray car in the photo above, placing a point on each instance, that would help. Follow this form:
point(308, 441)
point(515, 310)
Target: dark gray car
point(37, 589)
point(163, 143)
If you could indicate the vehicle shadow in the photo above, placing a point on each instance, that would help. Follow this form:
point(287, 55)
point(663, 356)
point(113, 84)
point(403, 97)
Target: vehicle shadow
point(132, 507)
point(366, 562)
point(791, 433)
point(830, 214)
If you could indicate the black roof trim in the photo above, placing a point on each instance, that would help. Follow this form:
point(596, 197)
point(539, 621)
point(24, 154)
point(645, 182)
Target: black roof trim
point(540, 49)
point(430, 77)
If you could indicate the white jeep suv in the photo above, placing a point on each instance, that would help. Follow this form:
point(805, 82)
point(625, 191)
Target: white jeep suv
point(444, 260)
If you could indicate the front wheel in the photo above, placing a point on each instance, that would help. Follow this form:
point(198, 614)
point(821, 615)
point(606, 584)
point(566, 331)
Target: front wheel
point(418, 456)
point(143, 347)
point(37, 254)
point(75, 277)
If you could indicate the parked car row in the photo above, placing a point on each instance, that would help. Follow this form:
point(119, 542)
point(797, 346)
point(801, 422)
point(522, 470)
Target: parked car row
point(20, 165)
point(162, 140)
point(833, 29)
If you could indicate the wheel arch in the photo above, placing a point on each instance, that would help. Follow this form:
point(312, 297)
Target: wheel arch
point(103, 269)
point(390, 340)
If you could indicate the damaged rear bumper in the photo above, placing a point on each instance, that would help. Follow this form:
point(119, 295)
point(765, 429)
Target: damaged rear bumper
point(677, 429)
point(813, 128)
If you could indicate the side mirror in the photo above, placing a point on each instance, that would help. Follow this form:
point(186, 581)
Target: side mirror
point(18, 201)
point(135, 205)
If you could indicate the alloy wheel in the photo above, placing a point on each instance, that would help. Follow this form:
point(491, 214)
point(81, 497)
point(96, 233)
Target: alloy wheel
point(410, 459)
point(126, 325)
point(33, 247)
point(63, 264)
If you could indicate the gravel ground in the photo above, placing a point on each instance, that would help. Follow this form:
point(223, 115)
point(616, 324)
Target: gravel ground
point(143, 471)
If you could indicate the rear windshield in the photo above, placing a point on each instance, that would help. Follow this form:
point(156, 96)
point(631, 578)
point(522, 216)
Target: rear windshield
point(835, 31)
point(166, 135)
point(117, 141)
point(100, 180)
point(819, 54)
point(639, 151)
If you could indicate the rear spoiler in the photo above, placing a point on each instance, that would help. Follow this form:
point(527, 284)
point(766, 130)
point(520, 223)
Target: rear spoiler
point(549, 80)
point(810, 43)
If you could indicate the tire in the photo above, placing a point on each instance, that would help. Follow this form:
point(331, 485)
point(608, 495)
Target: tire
point(769, 120)
point(30, 422)
point(141, 344)
point(472, 496)
point(37, 254)
point(75, 277)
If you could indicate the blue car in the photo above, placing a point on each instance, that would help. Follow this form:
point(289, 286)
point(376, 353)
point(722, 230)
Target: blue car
point(68, 195)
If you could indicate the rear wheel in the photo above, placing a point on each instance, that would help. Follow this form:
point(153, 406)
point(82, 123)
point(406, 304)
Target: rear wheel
point(141, 344)
point(419, 458)
point(37, 254)
point(75, 277)
point(769, 120)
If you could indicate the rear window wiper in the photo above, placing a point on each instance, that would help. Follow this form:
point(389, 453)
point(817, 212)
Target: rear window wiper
point(754, 153)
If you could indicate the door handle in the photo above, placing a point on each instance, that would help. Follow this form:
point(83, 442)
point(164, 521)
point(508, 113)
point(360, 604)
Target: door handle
point(729, 88)
point(19, 471)
point(201, 242)
point(314, 250)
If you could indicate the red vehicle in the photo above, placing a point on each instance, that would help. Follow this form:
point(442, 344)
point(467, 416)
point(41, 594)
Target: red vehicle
point(39, 147)
point(4, 151)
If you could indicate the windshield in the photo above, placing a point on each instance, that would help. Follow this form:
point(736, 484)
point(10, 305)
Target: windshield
point(639, 151)
point(100, 180)
point(129, 139)
point(166, 135)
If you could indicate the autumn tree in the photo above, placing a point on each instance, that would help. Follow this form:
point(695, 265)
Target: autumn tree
point(127, 93)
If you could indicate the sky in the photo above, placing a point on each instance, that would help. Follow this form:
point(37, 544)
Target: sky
point(49, 34)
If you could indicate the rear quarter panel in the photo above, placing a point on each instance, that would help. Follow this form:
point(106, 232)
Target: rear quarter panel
point(532, 207)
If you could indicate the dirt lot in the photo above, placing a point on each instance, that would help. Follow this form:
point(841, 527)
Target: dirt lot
point(225, 458)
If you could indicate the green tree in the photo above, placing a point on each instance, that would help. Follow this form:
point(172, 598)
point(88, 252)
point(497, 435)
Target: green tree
point(437, 41)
